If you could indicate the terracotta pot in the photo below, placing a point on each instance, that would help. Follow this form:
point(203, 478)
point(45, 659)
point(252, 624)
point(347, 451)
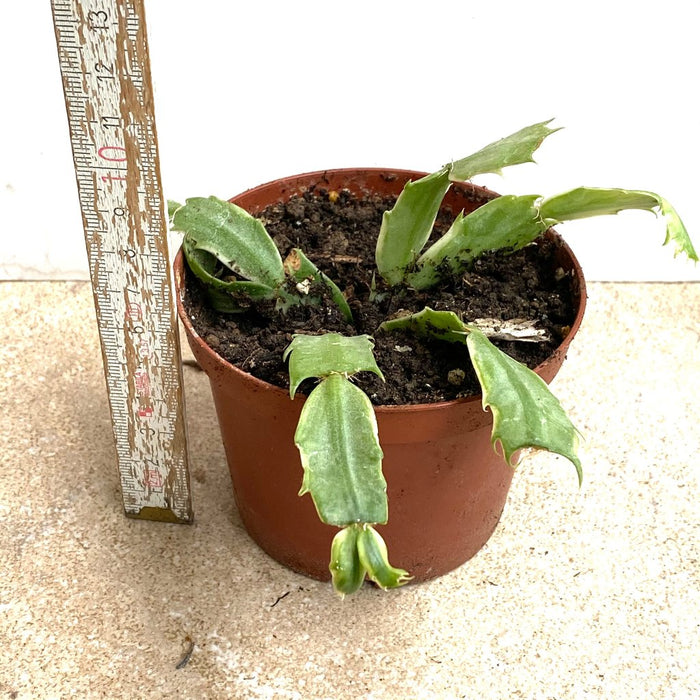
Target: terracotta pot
point(446, 485)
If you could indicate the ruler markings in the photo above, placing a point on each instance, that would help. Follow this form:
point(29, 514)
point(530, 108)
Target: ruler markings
point(112, 127)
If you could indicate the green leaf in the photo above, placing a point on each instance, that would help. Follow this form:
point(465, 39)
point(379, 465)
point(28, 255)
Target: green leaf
point(676, 232)
point(509, 222)
point(525, 412)
point(236, 297)
point(300, 269)
point(173, 206)
point(375, 559)
point(340, 452)
point(584, 202)
point(322, 355)
point(235, 238)
point(347, 572)
point(201, 263)
point(406, 228)
point(511, 150)
point(222, 295)
point(444, 325)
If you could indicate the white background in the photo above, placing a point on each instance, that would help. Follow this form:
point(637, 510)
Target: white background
point(250, 91)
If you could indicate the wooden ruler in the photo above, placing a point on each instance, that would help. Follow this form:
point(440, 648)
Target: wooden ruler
point(103, 56)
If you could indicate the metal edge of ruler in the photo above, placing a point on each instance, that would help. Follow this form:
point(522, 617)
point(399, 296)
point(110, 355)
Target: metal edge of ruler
point(105, 69)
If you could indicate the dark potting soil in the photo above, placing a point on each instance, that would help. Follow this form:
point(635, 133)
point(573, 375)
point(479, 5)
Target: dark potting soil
point(338, 232)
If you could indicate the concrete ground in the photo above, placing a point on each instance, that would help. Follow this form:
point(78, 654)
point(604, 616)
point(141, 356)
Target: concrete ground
point(591, 593)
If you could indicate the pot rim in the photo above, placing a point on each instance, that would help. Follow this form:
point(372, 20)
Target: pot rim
point(179, 271)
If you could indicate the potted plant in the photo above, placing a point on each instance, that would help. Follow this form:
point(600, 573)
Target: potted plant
point(447, 484)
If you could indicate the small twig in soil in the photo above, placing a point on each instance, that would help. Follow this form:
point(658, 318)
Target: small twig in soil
point(188, 654)
point(282, 597)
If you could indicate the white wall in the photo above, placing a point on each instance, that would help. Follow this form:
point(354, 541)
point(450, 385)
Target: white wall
point(246, 92)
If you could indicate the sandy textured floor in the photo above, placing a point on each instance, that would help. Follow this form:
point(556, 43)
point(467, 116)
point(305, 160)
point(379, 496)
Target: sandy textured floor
point(591, 593)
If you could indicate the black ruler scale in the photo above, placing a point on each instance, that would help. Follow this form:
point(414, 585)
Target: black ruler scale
point(104, 61)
